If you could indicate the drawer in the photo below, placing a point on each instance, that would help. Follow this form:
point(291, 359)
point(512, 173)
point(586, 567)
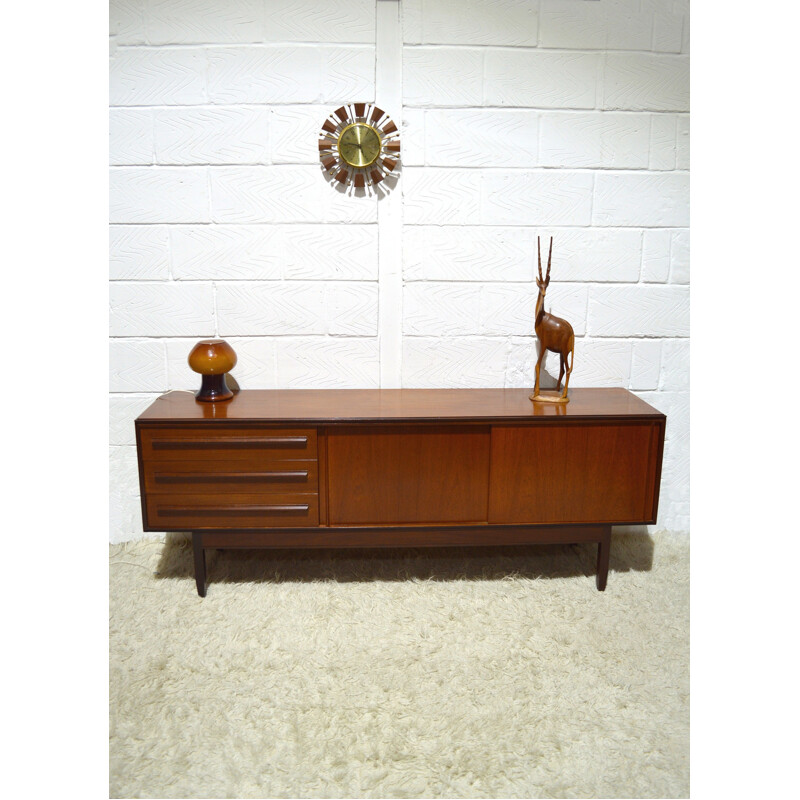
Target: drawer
point(239, 510)
point(230, 477)
point(247, 444)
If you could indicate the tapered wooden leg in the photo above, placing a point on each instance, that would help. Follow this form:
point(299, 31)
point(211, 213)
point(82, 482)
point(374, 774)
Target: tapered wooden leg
point(199, 563)
point(603, 552)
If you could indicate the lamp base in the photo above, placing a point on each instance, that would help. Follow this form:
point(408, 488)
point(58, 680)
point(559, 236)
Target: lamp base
point(213, 389)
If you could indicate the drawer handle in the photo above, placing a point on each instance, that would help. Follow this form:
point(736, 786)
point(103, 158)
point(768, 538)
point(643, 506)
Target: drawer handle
point(232, 477)
point(242, 442)
point(217, 510)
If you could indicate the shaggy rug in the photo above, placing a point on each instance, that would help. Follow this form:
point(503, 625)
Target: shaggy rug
point(405, 673)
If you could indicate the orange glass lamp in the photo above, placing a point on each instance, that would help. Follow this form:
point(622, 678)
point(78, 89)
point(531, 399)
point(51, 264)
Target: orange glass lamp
point(213, 359)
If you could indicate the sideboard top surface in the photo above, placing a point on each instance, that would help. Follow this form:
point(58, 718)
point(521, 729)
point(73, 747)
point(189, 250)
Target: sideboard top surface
point(366, 405)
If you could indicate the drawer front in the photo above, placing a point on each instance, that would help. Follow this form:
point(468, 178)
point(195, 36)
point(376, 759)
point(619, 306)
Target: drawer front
point(248, 445)
point(230, 477)
point(240, 510)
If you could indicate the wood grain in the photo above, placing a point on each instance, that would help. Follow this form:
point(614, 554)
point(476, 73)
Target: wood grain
point(312, 406)
point(400, 474)
point(572, 474)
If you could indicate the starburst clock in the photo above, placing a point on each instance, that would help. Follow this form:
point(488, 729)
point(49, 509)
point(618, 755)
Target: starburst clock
point(359, 145)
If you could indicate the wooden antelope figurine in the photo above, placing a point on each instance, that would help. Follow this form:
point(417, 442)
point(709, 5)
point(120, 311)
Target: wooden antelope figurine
point(554, 334)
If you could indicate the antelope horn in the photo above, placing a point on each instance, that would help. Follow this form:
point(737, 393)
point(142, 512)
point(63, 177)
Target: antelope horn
point(539, 249)
point(549, 259)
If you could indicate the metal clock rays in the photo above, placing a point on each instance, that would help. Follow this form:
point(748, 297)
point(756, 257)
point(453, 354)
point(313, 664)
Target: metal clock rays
point(359, 146)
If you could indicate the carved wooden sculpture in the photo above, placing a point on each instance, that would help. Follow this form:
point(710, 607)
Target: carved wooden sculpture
point(554, 334)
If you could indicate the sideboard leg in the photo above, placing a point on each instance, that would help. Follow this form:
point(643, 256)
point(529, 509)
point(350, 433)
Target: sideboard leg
point(603, 552)
point(199, 563)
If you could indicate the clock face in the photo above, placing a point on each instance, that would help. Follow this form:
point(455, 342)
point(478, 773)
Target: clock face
point(359, 146)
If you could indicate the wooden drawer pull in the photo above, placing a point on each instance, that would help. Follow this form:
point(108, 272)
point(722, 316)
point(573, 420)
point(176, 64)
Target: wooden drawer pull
point(231, 442)
point(225, 477)
point(176, 511)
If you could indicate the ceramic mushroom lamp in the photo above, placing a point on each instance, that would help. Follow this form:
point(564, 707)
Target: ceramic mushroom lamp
point(213, 359)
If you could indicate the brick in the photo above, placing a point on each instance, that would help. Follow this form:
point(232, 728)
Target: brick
point(341, 207)
point(441, 196)
point(536, 198)
point(502, 22)
point(431, 362)
point(294, 132)
point(628, 26)
point(267, 194)
point(126, 21)
point(646, 364)
point(442, 76)
point(675, 366)
point(481, 138)
point(157, 76)
point(638, 311)
point(591, 254)
point(347, 72)
point(130, 136)
point(270, 252)
point(353, 309)
point(614, 25)
point(214, 252)
point(158, 194)
point(122, 411)
point(656, 256)
point(312, 21)
point(598, 363)
point(412, 137)
point(679, 257)
point(645, 82)
point(412, 21)
point(211, 136)
point(667, 30)
point(663, 137)
point(328, 363)
point(300, 308)
point(138, 252)
point(510, 309)
point(161, 309)
point(205, 21)
point(521, 364)
point(455, 253)
point(271, 308)
point(137, 366)
point(594, 139)
point(265, 74)
point(507, 309)
point(540, 79)
point(682, 156)
point(441, 309)
point(651, 200)
point(124, 502)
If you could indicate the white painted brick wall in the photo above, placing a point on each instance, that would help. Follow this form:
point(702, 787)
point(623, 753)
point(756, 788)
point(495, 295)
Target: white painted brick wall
point(520, 118)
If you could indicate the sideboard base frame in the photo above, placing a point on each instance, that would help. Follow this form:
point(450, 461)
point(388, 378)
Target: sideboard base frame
point(419, 536)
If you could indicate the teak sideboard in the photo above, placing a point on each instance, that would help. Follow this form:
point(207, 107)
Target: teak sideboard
point(398, 467)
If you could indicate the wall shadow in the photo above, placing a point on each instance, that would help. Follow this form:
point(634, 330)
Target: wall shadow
point(632, 549)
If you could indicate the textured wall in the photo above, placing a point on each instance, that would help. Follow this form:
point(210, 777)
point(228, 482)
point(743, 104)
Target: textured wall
point(520, 118)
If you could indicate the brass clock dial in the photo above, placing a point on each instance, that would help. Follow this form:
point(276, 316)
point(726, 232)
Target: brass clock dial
point(359, 145)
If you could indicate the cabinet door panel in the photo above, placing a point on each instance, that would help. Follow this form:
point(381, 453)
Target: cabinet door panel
point(573, 473)
point(408, 474)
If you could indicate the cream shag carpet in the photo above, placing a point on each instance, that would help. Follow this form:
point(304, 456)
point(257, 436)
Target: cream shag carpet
point(405, 673)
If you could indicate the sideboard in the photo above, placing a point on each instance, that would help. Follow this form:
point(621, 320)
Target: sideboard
point(398, 467)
